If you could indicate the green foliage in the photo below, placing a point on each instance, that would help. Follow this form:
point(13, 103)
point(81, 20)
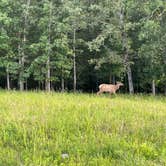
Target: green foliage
point(110, 36)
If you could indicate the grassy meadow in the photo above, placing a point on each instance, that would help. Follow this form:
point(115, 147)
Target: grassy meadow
point(40, 129)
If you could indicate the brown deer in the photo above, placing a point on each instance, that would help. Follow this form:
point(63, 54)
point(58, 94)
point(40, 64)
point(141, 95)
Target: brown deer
point(109, 88)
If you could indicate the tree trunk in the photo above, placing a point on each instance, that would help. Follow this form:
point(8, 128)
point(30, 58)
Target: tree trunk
point(8, 79)
point(48, 84)
point(62, 80)
point(21, 83)
point(113, 80)
point(153, 88)
point(74, 62)
point(63, 84)
point(22, 53)
point(165, 90)
point(126, 50)
point(39, 85)
point(26, 84)
point(42, 85)
point(48, 74)
point(110, 78)
point(130, 80)
point(22, 63)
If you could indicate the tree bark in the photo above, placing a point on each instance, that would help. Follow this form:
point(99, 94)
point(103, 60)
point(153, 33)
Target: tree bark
point(22, 53)
point(21, 73)
point(62, 80)
point(43, 86)
point(110, 78)
point(63, 84)
point(153, 88)
point(113, 80)
point(26, 84)
point(130, 80)
point(21, 83)
point(48, 74)
point(48, 84)
point(8, 79)
point(39, 85)
point(74, 61)
point(126, 50)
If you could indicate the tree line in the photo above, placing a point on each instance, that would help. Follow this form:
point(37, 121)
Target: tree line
point(78, 44)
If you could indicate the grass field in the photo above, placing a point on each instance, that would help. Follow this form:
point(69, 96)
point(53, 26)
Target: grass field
point(39, 129)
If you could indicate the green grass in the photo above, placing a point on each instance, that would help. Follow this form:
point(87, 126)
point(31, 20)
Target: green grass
point(36, 129)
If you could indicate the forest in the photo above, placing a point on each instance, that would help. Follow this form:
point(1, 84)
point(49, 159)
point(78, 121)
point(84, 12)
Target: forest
point(75, 45)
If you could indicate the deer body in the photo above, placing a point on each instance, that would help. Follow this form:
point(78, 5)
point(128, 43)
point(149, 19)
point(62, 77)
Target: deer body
point(109, 88)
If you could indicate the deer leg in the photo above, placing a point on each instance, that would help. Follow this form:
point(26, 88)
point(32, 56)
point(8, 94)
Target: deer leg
point(114, 93)
point(99, 92)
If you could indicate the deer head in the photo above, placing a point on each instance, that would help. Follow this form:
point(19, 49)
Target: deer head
point(119, 84)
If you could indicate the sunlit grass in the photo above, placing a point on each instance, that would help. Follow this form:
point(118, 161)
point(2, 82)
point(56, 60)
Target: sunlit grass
point(40, 128)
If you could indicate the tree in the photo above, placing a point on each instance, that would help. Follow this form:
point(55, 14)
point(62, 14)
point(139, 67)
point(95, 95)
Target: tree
point(152, 36)
point(76, 22)
point(52, 44)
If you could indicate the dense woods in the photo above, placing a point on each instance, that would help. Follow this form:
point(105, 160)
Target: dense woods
point(78, 44)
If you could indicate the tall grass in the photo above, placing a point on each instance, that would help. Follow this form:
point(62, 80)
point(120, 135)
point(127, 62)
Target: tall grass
point(40, 129)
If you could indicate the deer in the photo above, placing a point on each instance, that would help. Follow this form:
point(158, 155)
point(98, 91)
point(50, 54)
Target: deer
point(109, 88)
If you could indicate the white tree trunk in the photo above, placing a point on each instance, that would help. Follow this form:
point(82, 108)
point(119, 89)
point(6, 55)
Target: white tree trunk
point(126, 50)
point(153, 88)
point(130, 80)
point(8, 79)
point(26, 84)
point(63, 84)
point(21, 83)
point(48, 74)
point(48, 84)
point(39, 85)
point(22, 53)
point(74, 62)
